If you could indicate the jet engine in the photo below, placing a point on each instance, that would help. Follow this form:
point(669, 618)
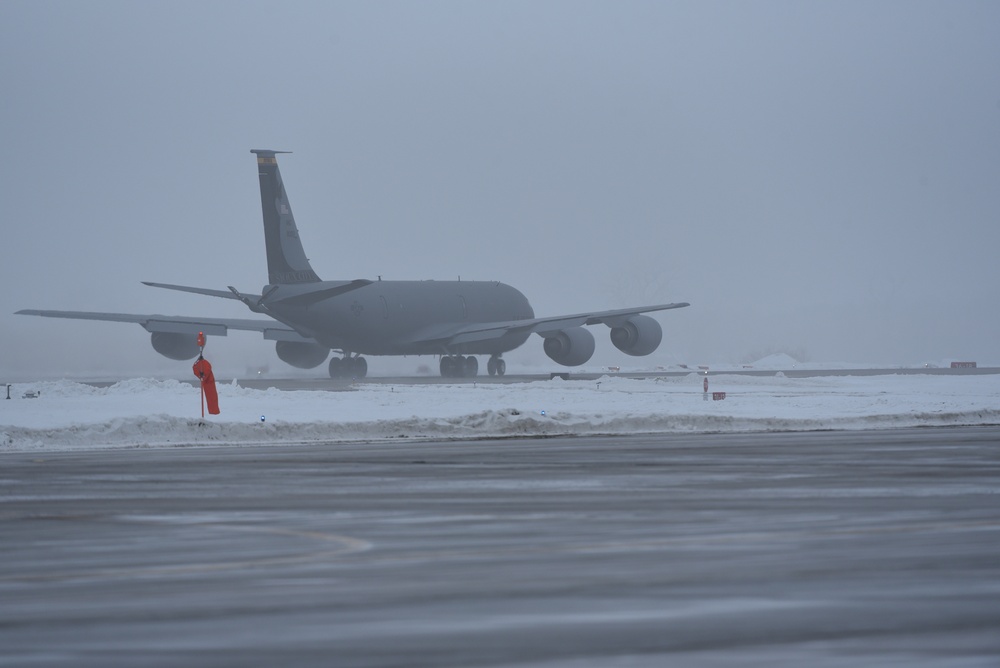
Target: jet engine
point(570, 347)
point(638, 335)
point(178, 347)
point(300, 354)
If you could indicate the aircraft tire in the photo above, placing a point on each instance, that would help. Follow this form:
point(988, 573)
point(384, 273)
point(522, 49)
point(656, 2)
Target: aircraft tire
point(336, 367)
point(359, 367)
point(496, 366)
point(457, 366)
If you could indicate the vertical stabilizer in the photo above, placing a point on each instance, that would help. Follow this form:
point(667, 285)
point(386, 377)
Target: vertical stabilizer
point(286, 260)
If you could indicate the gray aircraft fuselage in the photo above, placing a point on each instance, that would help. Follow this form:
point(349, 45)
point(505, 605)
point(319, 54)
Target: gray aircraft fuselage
point(399, 317)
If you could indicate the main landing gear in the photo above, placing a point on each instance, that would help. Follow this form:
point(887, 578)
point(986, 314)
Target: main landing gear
point(457, 366)
point(496, 366)
point(348, 367)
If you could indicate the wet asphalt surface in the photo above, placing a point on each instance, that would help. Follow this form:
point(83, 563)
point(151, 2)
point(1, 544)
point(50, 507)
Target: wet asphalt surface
point(821, 549)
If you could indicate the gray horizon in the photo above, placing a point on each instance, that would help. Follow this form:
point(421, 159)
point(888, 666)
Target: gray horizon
point(816, 179)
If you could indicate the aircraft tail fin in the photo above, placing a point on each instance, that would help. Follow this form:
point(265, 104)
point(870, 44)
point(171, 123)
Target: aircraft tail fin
point(286, 260)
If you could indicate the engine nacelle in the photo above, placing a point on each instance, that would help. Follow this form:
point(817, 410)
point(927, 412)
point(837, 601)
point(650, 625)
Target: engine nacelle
point(570, 347)
point(178, 347)
point(638, 335)
point(300, 354)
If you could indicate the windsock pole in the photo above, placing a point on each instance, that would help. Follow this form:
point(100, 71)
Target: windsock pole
point(203, 372)
point(201, 350)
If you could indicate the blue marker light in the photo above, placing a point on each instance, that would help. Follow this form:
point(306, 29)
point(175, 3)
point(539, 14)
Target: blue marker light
point(261, 418)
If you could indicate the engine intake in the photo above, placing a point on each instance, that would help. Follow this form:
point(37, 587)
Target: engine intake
point(300, 354)
point(638, 335)
point(570, 347)
point(178, 347)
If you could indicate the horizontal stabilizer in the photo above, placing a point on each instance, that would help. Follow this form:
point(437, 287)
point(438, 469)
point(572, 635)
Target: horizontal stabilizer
point(225, 294)
point(314, 296)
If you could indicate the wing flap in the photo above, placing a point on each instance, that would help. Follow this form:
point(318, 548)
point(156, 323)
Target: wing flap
point(182, 327)
point(181, 324)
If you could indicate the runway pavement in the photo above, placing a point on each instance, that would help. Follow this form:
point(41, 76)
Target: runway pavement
point(818, 549)
point(321, 382)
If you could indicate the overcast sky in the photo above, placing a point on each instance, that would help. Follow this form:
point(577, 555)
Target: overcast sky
point(816, 178)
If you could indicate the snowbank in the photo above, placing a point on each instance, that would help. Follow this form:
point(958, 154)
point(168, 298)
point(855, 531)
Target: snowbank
point(153, 413)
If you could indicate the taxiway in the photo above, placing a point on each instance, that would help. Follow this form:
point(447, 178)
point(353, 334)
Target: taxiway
point(821, 549)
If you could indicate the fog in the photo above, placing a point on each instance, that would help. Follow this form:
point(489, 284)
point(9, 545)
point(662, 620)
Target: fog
point(820, 179)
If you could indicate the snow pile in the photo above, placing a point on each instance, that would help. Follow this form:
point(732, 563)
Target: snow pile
point(152, 413)
point(776, 361)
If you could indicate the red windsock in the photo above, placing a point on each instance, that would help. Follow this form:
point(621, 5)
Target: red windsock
point(203, 370)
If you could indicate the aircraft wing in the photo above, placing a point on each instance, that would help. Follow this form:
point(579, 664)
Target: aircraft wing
point(494, 330)
point(271, 330)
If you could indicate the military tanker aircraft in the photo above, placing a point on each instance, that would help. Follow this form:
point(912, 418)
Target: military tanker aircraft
point(309, 317)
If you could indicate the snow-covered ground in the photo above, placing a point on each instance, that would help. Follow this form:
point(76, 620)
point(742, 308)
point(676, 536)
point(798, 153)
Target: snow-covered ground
point(144, 412)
